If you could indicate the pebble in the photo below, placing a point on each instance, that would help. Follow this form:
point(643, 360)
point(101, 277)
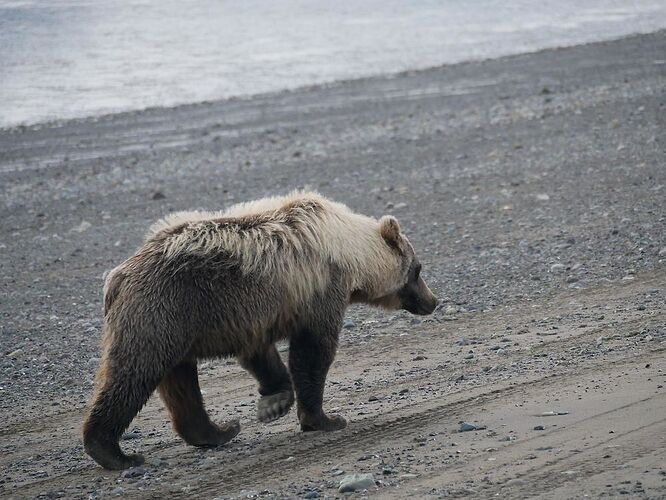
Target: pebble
point(18, 352)
point(466, 427)
point(542, 197)
point(355, 482)
point(84, 226)
point(555, 268)
point(449, 310)
point(311, 494)
point(133, 472)
point(131, 435)
point(539, 428)
point(553, 413)
point(348, 325)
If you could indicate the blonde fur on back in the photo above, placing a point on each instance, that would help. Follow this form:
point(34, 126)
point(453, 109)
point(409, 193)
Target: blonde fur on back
point(294, 238)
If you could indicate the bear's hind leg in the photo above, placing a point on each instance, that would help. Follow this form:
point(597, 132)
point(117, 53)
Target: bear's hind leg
point(182, 396)
point(277, 394)
point(119, 398)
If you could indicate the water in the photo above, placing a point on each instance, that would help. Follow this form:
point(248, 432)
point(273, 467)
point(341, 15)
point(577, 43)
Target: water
point(63, 59)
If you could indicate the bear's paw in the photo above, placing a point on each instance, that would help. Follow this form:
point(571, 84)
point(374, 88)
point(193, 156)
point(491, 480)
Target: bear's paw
point(274, 406)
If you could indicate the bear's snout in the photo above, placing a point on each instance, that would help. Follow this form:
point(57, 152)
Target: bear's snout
point(417, 298)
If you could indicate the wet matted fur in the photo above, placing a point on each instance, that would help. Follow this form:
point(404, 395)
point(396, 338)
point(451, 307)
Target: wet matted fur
point(213, 284)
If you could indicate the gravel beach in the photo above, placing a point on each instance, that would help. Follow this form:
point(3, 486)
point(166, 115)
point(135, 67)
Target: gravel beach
point(533, 188)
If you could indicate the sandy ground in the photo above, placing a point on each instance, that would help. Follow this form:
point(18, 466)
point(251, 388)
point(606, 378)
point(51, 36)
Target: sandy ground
point(533, 188)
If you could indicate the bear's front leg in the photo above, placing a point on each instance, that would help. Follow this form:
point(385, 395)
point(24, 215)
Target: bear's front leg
point(311, 353)
point(277, 394)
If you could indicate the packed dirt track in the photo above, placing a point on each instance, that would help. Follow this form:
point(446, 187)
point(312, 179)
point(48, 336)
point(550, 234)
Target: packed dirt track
point(595, 387)
point(532, 188)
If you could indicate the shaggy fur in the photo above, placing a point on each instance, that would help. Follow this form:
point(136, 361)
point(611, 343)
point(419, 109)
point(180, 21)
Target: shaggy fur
point(232, 283)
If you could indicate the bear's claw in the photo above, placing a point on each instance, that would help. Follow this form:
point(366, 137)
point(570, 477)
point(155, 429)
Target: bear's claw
point(274, 406)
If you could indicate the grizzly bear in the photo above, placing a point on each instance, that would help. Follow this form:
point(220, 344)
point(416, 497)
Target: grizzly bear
point(216, 284)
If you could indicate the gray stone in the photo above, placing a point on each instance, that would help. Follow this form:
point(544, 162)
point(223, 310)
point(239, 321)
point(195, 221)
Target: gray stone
point(466, 427)
point(133, 472)
point(355, 482)
point(84, 226)
point(131, 435)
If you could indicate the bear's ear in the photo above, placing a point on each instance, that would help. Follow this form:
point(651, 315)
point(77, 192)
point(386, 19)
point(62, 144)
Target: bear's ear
point(390, 231)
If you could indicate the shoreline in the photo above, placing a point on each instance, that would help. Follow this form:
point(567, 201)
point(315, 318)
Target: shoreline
point(322, 86)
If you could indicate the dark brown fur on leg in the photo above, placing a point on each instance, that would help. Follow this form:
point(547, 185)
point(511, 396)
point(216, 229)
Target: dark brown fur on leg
point(181, 394)
point(116, 403)
point(310, 356)
point(274, 383)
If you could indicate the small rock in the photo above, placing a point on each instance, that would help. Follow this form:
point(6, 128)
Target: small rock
point(84, 226)
point(542, 197)
point(355, 482)
point(662, 252)
point(539, 428)
point(466, 427)
point(555, 268)
point(400, 205)
point(419, 358)
point(18, 352)
point(157, 195)
point(133, 472)
point(449, 310)
point(131, 435)
point(348, 325)
point(311, 494)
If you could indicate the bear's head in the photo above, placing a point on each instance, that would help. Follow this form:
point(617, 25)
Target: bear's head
point(403, 287)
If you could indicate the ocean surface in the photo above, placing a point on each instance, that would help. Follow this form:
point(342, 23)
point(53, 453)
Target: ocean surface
point(73, 58)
